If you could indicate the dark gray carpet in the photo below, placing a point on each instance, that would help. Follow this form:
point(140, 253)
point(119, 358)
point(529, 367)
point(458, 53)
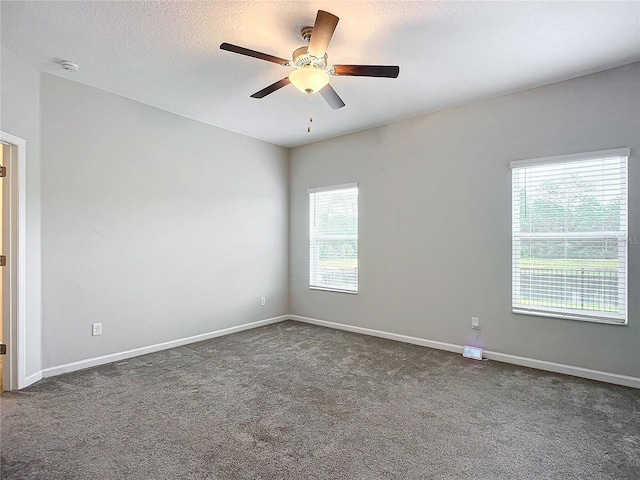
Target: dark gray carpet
point(295, 401)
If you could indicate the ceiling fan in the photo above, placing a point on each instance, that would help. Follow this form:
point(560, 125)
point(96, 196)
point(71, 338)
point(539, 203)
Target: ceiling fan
point(311, 68)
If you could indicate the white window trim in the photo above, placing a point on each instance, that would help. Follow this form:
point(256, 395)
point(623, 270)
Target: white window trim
point(331, 188)
point(558, 312)
point(335, 290)
point(573, 157)
point(342, 186)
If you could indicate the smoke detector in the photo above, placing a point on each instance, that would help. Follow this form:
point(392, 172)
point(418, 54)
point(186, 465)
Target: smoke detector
point(69, 66)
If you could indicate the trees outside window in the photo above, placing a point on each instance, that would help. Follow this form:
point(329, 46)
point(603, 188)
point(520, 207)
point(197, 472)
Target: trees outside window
point(570, 236)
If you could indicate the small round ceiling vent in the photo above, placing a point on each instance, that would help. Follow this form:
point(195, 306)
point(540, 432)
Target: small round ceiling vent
point(69, 66)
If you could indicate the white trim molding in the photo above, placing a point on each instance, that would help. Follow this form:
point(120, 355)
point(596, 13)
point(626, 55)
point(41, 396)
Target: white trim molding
point(14, 291)
point(449, 347)
point(573, 157)
point(33, 378)
point(328, 188)
point(598, 375)
point(115, 357)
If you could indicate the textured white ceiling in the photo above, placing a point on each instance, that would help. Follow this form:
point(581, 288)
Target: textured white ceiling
point(166, 54)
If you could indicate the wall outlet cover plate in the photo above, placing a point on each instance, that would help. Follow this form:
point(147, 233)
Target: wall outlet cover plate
point(472, 352)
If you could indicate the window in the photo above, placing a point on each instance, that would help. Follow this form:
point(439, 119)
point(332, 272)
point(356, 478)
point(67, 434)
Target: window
point(570, 236)
point(333, 235)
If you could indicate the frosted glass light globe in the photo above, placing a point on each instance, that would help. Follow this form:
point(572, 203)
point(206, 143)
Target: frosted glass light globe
point(309, 79)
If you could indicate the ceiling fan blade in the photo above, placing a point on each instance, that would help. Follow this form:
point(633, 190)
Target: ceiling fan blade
point(387, 71)
point(252, 53)
point(272, 88)
point(331, 97)
point(322, 32)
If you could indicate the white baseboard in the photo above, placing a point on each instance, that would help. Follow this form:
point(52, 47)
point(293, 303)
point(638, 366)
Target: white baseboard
point(115, 357)
point(599, 375)
point(497, 356)
point(33, 378)
point(450, 347)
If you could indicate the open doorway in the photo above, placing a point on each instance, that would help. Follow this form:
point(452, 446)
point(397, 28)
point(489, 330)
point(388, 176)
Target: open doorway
point(13, 300)
point(4, 153)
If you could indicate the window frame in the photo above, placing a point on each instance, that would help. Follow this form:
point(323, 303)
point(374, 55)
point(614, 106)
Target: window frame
point(310, 251)
point(623, 278)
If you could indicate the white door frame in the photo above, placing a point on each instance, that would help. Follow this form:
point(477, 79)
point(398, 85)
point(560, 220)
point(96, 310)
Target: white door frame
point(14, 284)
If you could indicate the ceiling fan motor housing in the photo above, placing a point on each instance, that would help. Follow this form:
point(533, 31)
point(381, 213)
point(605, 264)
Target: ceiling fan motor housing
point(306, 33)
point(301, 58)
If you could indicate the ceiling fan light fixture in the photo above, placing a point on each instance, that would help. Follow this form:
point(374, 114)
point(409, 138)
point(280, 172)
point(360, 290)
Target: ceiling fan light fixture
point(309, 79)
point(312, 69)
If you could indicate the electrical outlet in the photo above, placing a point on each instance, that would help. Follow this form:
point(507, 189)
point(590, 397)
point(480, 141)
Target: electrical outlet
point(96, 329)
point(263, 301)
point(475, 323)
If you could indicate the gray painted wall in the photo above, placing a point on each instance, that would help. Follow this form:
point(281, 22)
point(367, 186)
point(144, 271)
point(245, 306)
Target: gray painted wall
point(161, 227)
point(157, 226)
point(20, 116)
point(435, 219)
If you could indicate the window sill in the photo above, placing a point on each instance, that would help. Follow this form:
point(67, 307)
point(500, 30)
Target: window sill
point(336, 290)
point(566, 316)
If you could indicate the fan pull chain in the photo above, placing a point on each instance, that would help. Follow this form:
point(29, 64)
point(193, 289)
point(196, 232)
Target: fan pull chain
point(310, 115)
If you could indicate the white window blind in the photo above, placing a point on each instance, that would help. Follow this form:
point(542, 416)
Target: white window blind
point(333, 234)
point(570, 236)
